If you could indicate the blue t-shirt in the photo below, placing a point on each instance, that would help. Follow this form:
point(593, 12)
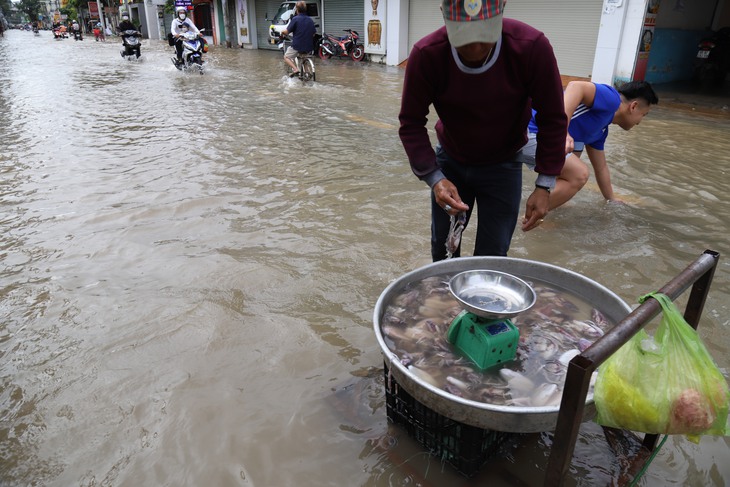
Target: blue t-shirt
point(302, 29)
point(589, 125)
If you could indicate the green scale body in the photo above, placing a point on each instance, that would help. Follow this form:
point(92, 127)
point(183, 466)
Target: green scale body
point(486, 341)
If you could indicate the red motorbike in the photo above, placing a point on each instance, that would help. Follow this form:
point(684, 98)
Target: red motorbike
point(59, 32)
point(346, 46)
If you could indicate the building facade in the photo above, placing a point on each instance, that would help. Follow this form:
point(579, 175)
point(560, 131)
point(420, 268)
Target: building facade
point(604, 40)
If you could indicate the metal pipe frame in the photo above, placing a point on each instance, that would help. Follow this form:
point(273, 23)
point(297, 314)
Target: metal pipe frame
point(699, 275)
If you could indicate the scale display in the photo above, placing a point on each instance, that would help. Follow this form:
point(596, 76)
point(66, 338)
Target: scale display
point(483, 332)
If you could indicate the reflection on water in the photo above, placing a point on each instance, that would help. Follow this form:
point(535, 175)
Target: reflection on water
point(190, 264)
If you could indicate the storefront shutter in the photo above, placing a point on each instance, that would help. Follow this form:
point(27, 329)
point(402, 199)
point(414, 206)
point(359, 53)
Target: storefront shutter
point(344, 14)
point(570, 25)
point(265, 8)
point(424, 17)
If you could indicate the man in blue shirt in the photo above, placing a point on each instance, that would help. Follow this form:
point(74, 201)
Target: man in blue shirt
point(302, 28)
point(592, 108)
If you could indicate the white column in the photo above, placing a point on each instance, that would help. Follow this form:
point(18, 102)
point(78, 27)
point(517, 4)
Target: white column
point(101, 13)
point(630, 38)
point(609, 40)
point(396, 35)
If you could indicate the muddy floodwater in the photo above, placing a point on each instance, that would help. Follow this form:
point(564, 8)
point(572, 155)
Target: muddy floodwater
point(189, 266)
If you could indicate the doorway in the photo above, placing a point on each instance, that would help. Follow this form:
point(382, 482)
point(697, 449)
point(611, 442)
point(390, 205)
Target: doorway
point(204, 20)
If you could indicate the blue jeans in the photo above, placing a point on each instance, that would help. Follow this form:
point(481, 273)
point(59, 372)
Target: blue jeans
point(497, 191)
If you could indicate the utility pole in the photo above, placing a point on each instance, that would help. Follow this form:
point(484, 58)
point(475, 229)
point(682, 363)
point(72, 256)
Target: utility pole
point(100, 6)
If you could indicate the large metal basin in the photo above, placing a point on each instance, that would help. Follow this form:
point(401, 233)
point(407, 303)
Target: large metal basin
point(495, 417)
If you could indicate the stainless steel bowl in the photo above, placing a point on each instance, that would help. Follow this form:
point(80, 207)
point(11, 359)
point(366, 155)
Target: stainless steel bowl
point(482, 415)
point(492, 294)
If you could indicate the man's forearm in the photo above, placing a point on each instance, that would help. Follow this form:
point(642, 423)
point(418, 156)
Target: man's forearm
point(600, 168)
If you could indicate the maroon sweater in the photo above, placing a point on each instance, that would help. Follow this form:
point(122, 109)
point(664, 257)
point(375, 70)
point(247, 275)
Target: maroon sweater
point(483, 117)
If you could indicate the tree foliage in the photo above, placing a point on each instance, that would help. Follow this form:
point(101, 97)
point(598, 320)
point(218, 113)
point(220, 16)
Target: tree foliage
point(5, 6)
point(32, 8)
point(170, 7)
point(70, 13)
point(72, 8)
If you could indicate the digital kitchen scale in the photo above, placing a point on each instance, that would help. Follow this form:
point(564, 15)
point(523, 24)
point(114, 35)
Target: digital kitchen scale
point(483, 332)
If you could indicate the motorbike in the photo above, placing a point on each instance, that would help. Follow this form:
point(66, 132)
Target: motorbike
point(130, 44)
point(59, 33)
point(303, 62)
point(712, 62)
point(98, 34)
point(194, 45)
point(346, 46)
point(77, 35)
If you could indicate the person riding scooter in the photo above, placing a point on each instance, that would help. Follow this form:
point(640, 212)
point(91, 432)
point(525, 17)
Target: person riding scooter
point(76, 28)
point(59, 30)
point(98, 30)
point(124, 26)
point(176, 29)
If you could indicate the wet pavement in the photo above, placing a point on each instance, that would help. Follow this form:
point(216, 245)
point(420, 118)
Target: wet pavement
point(685, 95)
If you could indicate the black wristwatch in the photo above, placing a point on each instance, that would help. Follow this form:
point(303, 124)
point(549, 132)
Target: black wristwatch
point(546, 188)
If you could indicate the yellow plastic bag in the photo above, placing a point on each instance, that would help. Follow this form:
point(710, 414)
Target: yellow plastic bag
point(668, 384)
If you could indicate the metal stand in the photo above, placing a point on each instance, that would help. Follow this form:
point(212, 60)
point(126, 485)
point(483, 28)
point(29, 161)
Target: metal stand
point(698, 275)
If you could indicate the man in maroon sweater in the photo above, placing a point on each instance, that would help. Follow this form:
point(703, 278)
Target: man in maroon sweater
point(483, 74)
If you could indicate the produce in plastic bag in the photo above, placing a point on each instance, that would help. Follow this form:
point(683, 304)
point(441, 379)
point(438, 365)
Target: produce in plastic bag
point(668, 384)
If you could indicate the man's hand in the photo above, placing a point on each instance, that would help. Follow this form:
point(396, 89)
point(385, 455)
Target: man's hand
point(447, 197)
point(536, 209)
point(569, 144)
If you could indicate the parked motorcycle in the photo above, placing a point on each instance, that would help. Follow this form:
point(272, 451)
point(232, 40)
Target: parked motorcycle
point(130, 44)
point(712, 63)
point(194, 45)
point(346, 46)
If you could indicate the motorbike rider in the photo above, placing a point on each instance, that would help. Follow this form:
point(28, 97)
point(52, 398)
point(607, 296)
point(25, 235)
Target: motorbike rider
point(126, 25)
point(303, 29)
point(99, 30)
point(59, 30)
point(176, 28)
point(77, 30)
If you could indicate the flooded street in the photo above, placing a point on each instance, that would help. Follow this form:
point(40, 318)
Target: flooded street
point(189, 267)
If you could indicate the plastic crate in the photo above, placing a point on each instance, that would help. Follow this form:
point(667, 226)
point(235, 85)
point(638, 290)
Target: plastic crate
point(464, 447)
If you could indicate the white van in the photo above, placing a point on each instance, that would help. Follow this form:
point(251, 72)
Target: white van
point(286, 12)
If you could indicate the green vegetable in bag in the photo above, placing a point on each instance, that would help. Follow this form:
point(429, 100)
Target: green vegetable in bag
point(668, 384)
